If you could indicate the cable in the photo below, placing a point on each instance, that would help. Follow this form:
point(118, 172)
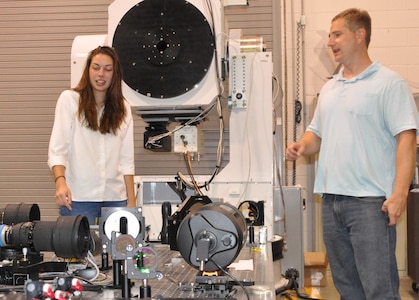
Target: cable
point(153, 139)
point(297, 102)
point(293, 286)
point(220, 152)
point(292, 276)
point(232, 277)
point(216, 102)
point(187, 157)
point(91, 259)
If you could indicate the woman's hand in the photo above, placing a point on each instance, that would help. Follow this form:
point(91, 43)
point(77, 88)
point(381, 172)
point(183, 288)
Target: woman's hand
point(62, 193)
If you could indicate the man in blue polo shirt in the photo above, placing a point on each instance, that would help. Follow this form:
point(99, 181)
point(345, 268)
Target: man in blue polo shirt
point(364, 129)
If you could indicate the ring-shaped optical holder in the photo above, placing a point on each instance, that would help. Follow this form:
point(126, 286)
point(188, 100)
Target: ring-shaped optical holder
point(142, 263)
point(117, 221)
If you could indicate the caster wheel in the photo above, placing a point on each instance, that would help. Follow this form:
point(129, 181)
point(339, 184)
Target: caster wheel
point(415, 287)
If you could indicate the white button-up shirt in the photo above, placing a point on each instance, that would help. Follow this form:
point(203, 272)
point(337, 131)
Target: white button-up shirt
point(95, 163)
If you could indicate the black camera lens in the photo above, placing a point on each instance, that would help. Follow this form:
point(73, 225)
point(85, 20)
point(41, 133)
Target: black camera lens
point(18, 213)
point(68, 237)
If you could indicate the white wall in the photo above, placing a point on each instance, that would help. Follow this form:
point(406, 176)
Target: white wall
point(394, 43)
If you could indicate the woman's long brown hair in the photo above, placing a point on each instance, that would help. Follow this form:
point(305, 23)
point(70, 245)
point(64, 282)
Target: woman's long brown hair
point(114, 110)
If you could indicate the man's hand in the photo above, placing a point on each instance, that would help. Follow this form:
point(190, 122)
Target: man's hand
point(294, 151)
point(308, 145)
point(394, 206)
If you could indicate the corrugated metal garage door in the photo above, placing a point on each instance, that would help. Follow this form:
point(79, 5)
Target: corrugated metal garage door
point(35, 45)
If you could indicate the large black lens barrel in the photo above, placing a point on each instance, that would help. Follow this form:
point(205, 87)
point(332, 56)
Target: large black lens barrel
point(18, 213)
point(68, 237)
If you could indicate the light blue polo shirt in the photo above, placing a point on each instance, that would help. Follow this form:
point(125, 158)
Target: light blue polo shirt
point(357, 120)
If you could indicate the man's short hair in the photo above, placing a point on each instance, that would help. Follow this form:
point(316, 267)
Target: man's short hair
point(355, 19)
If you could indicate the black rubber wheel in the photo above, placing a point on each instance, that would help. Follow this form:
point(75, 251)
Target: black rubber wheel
point(415, 287)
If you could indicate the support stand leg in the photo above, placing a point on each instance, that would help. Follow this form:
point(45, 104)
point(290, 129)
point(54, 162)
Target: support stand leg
point(145, 290)
point(117, 273)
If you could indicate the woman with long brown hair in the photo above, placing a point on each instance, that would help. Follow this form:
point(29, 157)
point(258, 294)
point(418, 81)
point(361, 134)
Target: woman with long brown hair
point(91, 149)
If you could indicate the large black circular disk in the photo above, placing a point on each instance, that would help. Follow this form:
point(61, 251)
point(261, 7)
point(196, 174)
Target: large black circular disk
point(165, 46)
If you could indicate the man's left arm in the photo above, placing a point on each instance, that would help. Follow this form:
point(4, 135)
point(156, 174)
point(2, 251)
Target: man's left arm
point(395, 205)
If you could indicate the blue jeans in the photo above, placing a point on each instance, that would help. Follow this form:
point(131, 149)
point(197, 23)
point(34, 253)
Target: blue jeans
point(92, 210)
point(361, 247)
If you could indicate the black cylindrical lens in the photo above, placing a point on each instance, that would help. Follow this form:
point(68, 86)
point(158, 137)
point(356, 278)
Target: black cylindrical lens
point(71, 237)
point(68, 237)
point(18, 213)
